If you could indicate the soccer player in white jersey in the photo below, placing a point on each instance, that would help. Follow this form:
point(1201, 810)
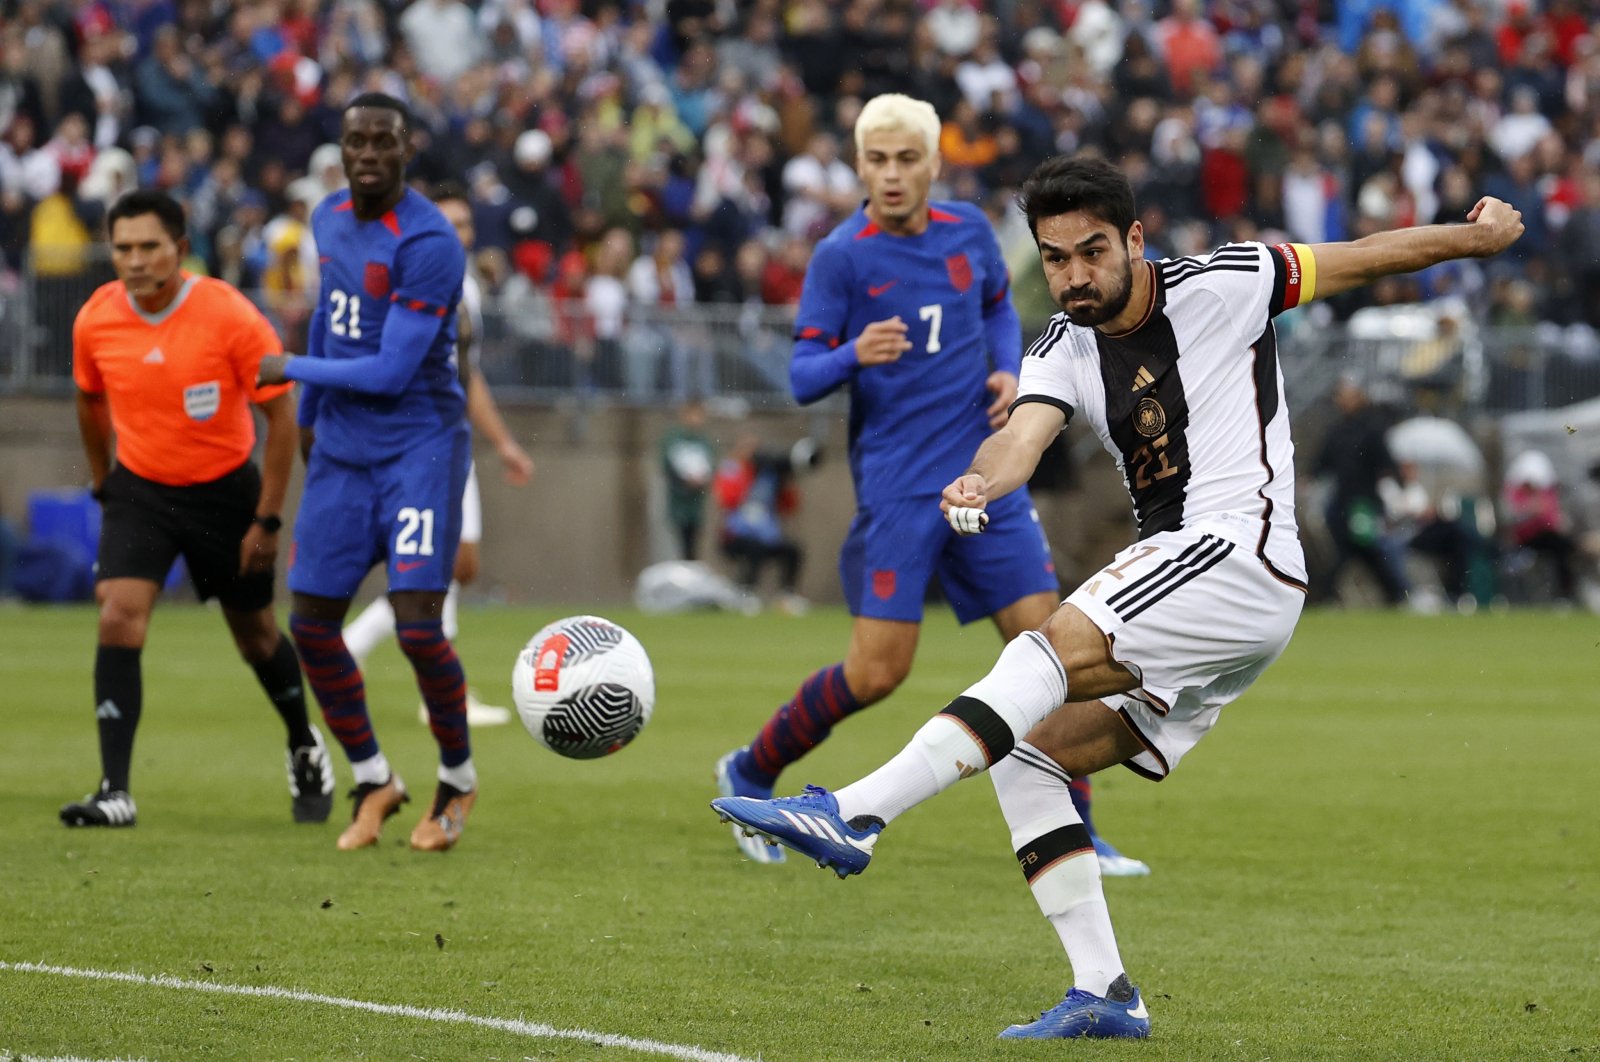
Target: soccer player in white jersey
point(1174, 365)
point(376, 622)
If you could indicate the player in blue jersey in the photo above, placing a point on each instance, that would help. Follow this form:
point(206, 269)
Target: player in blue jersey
point(387, 447)
point(907, 304)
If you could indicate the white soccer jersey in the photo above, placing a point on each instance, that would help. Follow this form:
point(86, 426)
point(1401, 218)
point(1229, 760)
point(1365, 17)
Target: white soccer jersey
point(472, 306)
point(1190, 401)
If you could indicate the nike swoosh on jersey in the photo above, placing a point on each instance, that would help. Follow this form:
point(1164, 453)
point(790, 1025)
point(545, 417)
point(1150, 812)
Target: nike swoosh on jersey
point(408, 566)
point(881, 288)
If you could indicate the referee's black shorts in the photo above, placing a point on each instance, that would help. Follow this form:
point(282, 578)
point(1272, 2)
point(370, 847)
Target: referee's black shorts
point(145, 525)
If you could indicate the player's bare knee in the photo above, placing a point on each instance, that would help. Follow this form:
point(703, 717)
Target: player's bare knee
point(417, 606)
point(1085, 652)
point(255, 635)
point(123, 622)
point(873, 680)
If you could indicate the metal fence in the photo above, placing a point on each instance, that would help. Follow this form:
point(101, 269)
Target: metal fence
point(534, 348)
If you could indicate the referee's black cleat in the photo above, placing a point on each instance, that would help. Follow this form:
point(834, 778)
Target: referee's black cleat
point(311, 781)
point(106, 807)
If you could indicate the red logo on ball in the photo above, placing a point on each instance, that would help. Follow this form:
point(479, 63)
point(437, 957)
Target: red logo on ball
point(547, 663)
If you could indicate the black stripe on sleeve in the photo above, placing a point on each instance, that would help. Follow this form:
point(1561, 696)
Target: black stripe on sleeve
point(985, 726)
point(1042, 853)
point(1049, 400)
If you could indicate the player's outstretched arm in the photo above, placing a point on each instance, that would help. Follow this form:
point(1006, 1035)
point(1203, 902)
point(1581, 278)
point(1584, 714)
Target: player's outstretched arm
point(485, 416)
point(818, 368)
point(1491, 227)
point(1007, 458)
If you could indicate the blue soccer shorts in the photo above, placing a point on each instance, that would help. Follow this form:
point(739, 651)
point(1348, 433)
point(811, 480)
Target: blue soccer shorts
point(406, 510)
point(895, 547)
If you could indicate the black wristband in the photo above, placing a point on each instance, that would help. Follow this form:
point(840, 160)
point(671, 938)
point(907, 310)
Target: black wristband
point(271, 523)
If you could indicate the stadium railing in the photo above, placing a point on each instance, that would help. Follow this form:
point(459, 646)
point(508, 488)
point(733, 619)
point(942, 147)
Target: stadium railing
point(538, 349)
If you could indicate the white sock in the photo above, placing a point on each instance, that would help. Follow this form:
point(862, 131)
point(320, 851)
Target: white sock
point(463, 776)
point(1058, 859)
point(371, 771)
point(452, 598)
point(903, 782)
point(374, 625)
point(1026, 684)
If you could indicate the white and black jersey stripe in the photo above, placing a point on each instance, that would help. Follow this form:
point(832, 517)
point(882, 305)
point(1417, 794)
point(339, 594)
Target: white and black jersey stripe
point(1190, 401)
point(1168, 576)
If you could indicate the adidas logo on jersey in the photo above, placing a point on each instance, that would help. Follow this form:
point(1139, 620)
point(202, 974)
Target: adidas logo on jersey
point(1142, 379)
point(155, 357)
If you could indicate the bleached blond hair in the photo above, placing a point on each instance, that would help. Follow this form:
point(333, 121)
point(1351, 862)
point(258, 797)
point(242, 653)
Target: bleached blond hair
point(895, 112)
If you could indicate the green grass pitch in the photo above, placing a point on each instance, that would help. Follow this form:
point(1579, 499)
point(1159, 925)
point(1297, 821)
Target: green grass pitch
point(1390, 848)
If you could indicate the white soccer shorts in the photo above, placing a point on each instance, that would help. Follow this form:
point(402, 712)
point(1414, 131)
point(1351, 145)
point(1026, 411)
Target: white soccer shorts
point(1197, 618)
point(471, 508)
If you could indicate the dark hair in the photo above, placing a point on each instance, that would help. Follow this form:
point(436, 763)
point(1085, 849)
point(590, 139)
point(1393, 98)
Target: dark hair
point(381, 101)
point(1062, 185)
point(142, 201)
point(445, 191)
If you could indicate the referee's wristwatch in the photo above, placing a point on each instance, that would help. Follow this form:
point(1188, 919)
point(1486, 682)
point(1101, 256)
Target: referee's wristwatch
point(271, 523)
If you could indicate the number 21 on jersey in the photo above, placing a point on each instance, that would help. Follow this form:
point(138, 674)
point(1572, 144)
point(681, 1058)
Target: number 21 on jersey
point(344, 317)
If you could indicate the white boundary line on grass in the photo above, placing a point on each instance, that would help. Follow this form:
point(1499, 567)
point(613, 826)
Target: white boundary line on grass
point(535, 1030)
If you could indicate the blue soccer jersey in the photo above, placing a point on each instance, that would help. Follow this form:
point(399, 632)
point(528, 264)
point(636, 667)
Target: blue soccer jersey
point(382, 378)
point(914, 423)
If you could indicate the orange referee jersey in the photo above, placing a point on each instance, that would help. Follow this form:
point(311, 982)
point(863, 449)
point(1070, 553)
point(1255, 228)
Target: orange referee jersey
point(180, 382)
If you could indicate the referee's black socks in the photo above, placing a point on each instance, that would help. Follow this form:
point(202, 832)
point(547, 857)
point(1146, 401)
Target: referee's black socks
point(118, 700)
point(279, 675)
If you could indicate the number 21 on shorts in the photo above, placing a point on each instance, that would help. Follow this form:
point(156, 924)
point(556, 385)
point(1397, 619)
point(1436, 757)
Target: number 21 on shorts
point(416, 532)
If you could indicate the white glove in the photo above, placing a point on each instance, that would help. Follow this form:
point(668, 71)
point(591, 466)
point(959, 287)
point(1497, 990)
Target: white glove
point(967, 521)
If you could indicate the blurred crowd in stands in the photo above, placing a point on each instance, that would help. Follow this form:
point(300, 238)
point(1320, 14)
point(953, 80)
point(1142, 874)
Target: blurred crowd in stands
point(656, 152)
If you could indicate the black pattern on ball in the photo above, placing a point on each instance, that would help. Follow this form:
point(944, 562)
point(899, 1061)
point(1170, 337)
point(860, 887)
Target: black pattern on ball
point(586, 639)
point(593, 721)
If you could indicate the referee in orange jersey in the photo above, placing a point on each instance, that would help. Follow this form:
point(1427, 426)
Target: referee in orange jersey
point(165, 362)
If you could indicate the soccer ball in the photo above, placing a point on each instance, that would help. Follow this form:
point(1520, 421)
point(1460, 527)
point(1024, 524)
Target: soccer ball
point(583, 687)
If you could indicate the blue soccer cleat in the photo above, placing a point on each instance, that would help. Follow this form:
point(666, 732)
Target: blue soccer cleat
point(810, 824)
point(731, 783)
point(1113, 864)
point(1085, 1015)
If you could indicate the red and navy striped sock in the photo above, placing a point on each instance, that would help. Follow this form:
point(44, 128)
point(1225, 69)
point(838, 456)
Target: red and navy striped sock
point(336, 681)
point(443, 684)
point(799, 726)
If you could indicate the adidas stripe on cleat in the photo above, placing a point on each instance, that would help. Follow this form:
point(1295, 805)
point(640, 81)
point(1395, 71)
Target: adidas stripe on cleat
point(810, 824)
point(104, 807)
point(731, 783)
